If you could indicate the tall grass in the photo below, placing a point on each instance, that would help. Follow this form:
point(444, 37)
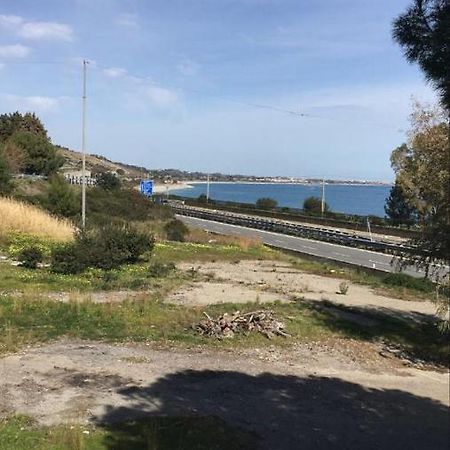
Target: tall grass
point(19, 217)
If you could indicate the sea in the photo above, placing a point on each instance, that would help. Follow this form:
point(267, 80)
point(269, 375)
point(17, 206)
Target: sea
point(363, 200)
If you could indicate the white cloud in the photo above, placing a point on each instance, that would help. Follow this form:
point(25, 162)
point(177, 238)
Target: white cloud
point(36, 30)
point(10, 21)
point(128, 21)
point(33, 102)
point(115, 72)
point(46, 30)
point(14, 51)
point(162, 97)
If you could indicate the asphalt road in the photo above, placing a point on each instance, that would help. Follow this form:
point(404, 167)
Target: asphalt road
point(349, 255)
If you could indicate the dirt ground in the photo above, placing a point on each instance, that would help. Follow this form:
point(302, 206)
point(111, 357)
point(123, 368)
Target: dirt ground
point(272, 280)
point(341, 394)
point(312, 396)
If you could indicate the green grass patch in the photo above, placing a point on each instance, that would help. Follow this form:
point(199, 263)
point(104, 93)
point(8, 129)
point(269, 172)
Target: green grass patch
point(189, 251)
point(24, 322)
point(152, 433)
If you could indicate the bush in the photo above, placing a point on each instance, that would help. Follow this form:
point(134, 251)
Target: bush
point(30, 257)
point(176, 230)
point(314, 205)
point(343, 288)
point(407, 281)
point(108, 181)
point(160, 270)
point(266, 203)
point(68, 259)
point(105, 248)
point(104, 206)
point(61, 199)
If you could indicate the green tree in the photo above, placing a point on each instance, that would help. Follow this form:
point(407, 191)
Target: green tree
point(41, 156)
point(397, 209)
point(6, 185)
point(266, 203)
point(423, 31)
point(314, 205)
point(108, 181)
point(202, 198)
point(62, 199)
point(13, 123)
point(422, 169)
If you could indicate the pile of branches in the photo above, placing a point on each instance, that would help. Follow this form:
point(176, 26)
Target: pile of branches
point(227, 325)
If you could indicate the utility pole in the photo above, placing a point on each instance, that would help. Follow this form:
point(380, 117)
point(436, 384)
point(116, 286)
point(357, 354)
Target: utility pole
point(368, 228)
point(83, 150)
point(322, 206)
point(207, 188)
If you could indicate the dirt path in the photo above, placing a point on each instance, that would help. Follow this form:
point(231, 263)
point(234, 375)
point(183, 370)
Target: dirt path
point(273, 280)
point(336, 395)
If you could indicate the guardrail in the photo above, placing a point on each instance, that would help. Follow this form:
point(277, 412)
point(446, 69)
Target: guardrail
point(290, 228)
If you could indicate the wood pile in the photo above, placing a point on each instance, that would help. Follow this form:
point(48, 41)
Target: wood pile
point(227, 325)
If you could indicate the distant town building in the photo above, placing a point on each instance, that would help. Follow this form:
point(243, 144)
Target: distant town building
point(76, 177)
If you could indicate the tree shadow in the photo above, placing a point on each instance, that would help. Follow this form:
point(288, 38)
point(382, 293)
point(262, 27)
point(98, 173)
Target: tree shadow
point(416, 334)
point(280, 412)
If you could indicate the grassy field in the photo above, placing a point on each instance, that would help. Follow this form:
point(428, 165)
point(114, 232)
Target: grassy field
point(153, 433)
point(24, 322)
point(29, 316)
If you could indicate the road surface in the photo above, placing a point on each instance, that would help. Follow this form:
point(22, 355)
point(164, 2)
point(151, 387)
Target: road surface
point(348, 255)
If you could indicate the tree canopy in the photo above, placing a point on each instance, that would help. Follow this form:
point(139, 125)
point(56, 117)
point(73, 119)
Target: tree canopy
point(314, 205)
point(423, 31)
point(266, 203)
point(397, 208)
point(422, 171)
point(25, 145)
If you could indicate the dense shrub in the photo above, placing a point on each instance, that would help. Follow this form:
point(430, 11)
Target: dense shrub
point(31, 257)
point(407, 281)
point(61, 198)
point(108, 181)
point(106, 248)
point(103, 206)
point(266, 203)
point(314, 205)
point(68, 259)
point(160, 270)
point(176, 230)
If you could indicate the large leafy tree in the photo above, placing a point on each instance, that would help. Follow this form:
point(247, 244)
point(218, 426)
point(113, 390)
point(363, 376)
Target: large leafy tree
point(5, 178)
point(422, 170)
point(26, 146)
point(423, 31)
point(397, 208)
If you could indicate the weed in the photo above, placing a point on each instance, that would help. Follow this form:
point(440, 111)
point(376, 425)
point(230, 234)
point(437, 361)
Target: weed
point(343, 288)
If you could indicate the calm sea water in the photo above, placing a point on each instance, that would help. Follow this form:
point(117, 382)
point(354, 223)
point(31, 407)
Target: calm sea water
point(349, 199)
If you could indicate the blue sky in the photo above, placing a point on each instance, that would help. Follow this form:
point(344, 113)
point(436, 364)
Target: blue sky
point(176, 83)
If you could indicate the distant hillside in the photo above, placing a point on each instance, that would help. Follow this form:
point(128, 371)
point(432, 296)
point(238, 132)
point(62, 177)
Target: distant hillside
point(98, 163)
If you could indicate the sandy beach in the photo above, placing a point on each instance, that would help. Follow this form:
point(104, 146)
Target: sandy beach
point(163, 188)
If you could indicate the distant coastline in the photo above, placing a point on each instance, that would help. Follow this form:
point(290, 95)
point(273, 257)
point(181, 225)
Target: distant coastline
point(297, 183)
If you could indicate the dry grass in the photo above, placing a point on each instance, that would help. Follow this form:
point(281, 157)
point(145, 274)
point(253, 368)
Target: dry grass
point(18, 217)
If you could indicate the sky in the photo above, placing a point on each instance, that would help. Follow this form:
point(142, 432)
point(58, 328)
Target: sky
point(299, 88)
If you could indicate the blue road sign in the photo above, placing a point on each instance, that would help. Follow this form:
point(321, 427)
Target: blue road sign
point(147, 187)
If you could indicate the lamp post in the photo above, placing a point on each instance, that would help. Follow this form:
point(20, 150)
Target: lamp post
point(83, 149)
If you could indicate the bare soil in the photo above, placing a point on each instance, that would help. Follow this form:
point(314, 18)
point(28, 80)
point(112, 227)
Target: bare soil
point(273, 280)
point(338, 394)
point(311, 396)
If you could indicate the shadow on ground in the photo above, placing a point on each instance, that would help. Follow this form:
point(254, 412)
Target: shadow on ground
point(418, 336)
point(273, 412)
